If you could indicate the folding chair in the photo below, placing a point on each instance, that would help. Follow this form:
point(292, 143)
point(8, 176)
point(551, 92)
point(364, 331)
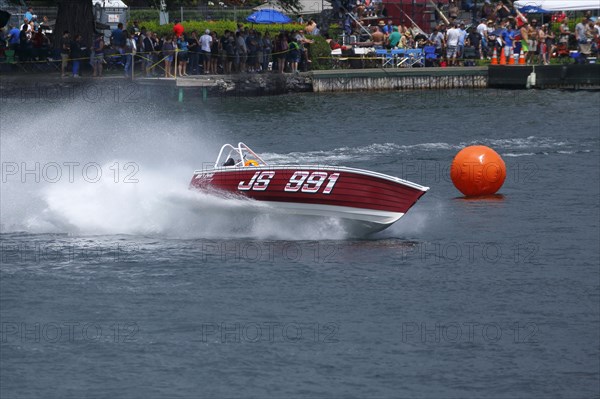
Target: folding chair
point(399, 55)
point(415, 57)
point(386, 57)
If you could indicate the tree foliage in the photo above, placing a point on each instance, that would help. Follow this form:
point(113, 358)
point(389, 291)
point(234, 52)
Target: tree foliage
point(77, 17)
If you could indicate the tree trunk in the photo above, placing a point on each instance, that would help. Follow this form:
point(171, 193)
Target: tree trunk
point(77, 17)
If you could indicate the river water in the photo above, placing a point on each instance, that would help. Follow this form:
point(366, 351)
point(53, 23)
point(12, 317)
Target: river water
point(115, 280)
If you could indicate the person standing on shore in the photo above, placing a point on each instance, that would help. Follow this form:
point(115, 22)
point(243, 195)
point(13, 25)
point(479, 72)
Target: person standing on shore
point(228, 45)
point(117, 38)
point(565, 34)
point(294, 53)
point(267, 49)
point(483, 32)
point(194, 51)
point(205, 43)
point(581, 36)
point(532, 42)
point(150, 58)
point(452, 37)
point(437, 38)
point(65, 50)
point(242, 51)
point(129, 51)
point(98, 58)
point(542, 46)
point(281, 49)
point(182, 57)
point(508, 36)
point(259, 53)
point(168, 49)
point(525, 39)
point(474, 40)
point(462, 35)
point(76, 55)
point(215, 50)
point(24, 44)
point(13, 38)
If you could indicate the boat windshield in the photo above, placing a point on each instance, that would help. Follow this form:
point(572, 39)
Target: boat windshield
point(238, 157)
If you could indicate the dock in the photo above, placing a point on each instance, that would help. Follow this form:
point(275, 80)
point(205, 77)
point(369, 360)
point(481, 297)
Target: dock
point(37, 87)
point(399, 79)
point(569, 76)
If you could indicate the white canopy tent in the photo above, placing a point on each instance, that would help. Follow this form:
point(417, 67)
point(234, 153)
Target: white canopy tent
point(110, 3)
point(559, 5)
point(306, 6)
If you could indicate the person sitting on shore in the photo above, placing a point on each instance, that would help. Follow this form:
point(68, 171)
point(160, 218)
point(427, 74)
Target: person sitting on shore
point(312, 28)
point(304, 44)
point(394, 38)
point(388, 28)
point(333, 45)
point(378, 37)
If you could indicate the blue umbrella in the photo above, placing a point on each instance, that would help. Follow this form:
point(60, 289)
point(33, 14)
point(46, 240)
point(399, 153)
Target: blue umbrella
point(268, 16)
point(534, 10)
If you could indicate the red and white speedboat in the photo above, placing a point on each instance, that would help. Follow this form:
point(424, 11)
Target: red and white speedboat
point(363, 200)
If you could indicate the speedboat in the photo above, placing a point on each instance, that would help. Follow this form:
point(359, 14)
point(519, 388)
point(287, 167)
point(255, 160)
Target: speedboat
point(362, 200)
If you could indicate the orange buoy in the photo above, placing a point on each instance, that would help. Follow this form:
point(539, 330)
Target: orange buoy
point(478, 170)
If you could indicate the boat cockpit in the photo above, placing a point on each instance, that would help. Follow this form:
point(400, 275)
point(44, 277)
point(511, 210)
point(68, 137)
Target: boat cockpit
point(238, 157)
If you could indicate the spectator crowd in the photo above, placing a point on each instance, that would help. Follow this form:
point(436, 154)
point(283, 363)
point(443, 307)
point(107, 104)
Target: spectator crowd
point(499, 28)
point(178, 53)
point(493, 27)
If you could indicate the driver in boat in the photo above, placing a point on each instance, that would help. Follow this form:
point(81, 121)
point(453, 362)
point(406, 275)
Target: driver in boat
point(249, 162)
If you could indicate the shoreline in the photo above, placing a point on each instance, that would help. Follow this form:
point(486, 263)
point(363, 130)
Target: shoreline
point(51, 85)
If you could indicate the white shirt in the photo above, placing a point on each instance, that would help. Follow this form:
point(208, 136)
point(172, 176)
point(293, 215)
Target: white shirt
point(482, 29)
point(205, 41)
point(453, 35)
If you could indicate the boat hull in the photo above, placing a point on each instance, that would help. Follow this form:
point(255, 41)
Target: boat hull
point(367, 200)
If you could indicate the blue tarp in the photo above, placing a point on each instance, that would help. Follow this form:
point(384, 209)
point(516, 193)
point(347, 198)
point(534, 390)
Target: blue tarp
point(268, 16)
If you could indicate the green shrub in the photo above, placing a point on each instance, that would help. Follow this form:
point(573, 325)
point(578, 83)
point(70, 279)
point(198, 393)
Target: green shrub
point(320, 54)
point(218, 26)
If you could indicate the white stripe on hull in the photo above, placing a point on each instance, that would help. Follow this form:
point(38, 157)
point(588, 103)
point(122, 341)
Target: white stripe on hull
point(365, 220)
